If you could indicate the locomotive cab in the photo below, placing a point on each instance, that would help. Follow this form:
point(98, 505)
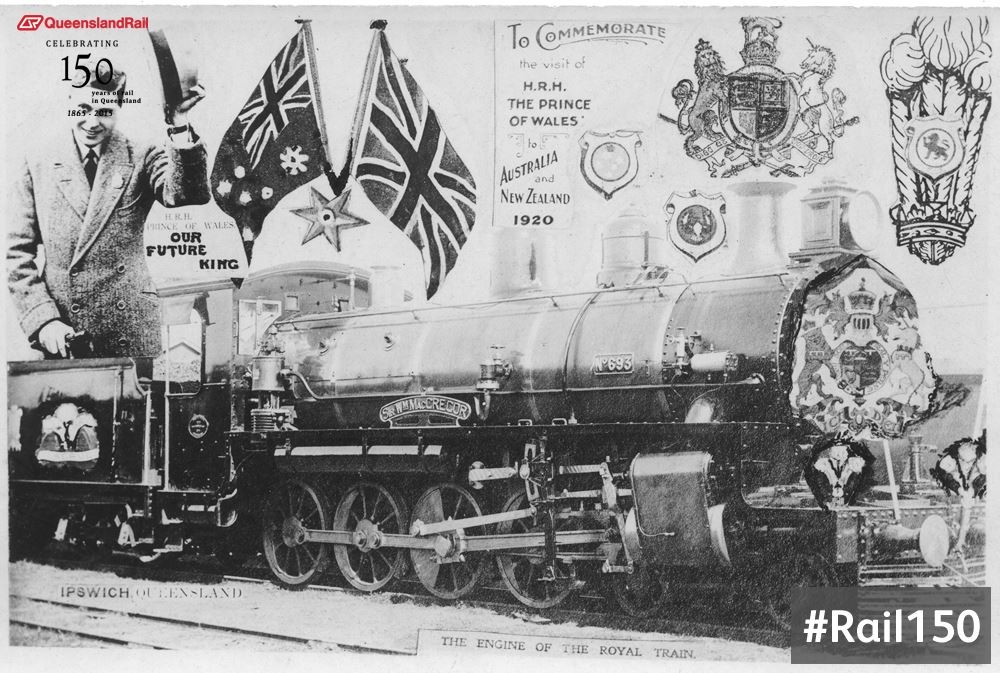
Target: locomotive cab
point(133, 453)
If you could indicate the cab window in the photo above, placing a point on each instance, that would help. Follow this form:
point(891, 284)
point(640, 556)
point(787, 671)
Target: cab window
point(182, 361)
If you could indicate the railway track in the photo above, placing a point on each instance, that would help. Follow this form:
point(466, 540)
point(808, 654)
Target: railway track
point(588, 608)
point(133, 628)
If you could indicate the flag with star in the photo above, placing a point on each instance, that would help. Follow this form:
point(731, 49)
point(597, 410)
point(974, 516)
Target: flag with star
point(273, 146)
point(408, 168)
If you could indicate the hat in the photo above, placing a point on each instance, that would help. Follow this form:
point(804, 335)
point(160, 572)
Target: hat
point(101, 75)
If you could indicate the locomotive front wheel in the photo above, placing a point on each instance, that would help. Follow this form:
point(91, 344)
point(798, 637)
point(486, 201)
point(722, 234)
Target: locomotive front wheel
point(526, 574)
point(293, 507)
point(801, 570)
point(640, 594)
point(369, 509)
point(454, 577)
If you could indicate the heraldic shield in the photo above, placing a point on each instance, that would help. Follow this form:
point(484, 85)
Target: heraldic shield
point(934, 146)
point(762, 107)
point(609, 161)
point(695, 222)
point(860, 366)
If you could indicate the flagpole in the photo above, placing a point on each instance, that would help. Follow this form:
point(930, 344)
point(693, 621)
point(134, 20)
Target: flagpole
point(314, 80)
point(366, 84)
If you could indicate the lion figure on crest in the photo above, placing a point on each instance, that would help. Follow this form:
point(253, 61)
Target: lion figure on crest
point(699, 108)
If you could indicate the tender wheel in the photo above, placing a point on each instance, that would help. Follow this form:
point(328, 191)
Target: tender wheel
point(800, 571)
point(641, 594)
point(370, 510)
point(293, 507)
point(525, 573)
point(454, 577)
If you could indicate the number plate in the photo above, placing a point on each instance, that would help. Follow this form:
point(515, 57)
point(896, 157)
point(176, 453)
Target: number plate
point(615, 363)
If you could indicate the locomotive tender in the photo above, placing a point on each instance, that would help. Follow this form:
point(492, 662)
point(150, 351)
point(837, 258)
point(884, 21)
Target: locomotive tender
point(651, 433)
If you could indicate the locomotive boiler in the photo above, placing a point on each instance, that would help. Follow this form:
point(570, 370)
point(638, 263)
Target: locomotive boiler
point(653, 432)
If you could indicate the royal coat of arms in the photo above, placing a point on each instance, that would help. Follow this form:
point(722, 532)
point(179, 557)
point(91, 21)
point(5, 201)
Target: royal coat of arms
point(696, 222)
point(609, 161)
point(760, 115)
point(860, 366)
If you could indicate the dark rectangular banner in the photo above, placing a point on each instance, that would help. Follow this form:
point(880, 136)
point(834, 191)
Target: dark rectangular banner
point(891, 625)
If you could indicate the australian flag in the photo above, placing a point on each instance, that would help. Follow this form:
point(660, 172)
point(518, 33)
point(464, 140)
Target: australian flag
point(409, 169)
point(273, 146)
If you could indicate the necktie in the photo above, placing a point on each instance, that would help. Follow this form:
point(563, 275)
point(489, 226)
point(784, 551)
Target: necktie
point(90, 166)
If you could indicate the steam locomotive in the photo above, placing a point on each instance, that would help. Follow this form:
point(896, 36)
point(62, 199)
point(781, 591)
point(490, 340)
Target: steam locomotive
point(649, 433)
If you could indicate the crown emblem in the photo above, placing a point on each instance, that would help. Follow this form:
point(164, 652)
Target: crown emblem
point(761, 40)
point(861, 300)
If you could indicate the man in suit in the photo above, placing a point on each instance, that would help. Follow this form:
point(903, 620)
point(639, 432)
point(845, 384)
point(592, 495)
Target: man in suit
point(84, 197)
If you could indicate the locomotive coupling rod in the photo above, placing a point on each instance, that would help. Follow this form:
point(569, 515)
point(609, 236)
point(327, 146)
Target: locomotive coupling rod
point(346, 537)
point(477, 543)
point(472, 522)
point(531, 540)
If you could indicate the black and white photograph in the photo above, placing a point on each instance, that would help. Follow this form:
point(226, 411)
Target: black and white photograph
point(502, 336)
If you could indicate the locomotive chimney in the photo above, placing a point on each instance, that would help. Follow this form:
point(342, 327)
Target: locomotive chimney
point(756, 216)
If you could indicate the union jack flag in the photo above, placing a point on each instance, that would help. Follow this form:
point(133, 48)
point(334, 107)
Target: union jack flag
point(284, 86)
point(409, 169)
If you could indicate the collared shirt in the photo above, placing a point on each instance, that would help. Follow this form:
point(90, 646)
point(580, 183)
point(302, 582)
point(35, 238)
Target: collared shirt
point(84, 149)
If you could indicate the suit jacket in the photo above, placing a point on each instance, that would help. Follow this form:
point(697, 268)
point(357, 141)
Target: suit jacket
point(95, 276)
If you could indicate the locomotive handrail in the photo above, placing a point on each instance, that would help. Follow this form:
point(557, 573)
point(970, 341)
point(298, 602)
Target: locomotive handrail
point(32, 366)
point(312, 317)
point(749, 381)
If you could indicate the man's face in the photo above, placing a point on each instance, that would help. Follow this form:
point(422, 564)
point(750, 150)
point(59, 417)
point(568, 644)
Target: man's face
point(93, 115)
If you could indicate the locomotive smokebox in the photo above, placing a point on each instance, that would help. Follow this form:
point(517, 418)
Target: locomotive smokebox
point(756, 211)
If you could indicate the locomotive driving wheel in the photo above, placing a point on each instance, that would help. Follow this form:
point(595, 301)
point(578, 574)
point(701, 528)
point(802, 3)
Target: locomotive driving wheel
point(293, 507)
point(445, 571)
point(369, 510)
point(526, 573)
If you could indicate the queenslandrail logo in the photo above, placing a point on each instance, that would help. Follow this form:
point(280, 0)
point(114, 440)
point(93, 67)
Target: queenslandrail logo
point(30, 22)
